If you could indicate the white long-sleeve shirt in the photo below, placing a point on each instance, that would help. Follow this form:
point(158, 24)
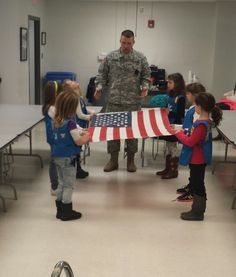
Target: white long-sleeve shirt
point(82, 115)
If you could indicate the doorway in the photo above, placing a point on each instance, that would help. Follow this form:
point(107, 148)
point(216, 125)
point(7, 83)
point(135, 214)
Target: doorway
point(34, 60)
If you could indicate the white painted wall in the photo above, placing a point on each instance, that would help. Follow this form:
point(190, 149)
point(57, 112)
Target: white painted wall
point(224, 75)
point(13, 15)
point(182, 40)
point(187, 36)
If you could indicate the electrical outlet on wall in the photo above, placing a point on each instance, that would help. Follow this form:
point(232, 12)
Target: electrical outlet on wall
point(141, 9)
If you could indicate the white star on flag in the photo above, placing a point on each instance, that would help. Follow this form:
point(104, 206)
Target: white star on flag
point(130, 125)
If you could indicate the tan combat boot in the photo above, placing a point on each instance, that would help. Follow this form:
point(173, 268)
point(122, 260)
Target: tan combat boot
point(113, 163)
point(131, 167)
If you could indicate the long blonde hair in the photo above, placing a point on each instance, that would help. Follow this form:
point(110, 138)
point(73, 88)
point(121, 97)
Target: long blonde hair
point(66, 105)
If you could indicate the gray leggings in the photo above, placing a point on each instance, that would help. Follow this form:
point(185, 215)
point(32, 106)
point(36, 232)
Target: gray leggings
point(171, 148)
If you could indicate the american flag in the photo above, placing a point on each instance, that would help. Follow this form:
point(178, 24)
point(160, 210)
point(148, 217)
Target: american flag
point(129, 125)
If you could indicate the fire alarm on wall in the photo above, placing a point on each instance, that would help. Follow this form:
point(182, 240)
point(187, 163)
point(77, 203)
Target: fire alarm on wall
point(151, 23)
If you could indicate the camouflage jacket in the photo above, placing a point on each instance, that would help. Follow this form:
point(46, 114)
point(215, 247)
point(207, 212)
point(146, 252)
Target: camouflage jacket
point(124, 76)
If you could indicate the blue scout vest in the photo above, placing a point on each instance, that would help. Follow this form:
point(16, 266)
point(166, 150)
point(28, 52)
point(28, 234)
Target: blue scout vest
point(186, 152)
point(172, 106)
point(81, 122)
point(64, 145)
point(49, 129)
point(188, 120)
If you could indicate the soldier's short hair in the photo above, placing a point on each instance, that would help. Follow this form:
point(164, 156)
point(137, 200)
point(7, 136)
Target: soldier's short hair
point(127, 34)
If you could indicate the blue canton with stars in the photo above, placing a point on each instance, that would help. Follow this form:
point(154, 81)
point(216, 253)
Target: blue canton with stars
point(120, 119)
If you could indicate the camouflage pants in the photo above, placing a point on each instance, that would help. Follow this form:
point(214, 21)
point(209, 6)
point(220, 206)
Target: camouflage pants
point(131, 144)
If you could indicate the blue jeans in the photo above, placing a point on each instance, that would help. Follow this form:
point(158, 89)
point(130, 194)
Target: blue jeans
point(66, 171)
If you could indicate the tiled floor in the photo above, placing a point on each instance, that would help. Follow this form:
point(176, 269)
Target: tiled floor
point(130, 225)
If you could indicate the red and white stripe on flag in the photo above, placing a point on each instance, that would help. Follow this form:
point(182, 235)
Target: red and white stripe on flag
point(144, 123)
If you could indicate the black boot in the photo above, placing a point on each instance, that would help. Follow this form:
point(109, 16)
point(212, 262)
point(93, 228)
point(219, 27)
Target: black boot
point(198, 209)
point(58, 205)
point(67, 213)
point(164, 171)
point(218, 137)
point(184, 189)
point(80, 173)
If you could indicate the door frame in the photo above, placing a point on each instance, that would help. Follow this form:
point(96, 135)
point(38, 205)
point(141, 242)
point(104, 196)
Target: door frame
point(37, 61)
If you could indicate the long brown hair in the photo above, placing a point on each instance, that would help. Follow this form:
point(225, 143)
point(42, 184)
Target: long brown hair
point(195, 88)
point(207, 102)
point(49, 95)
point(66, 105)
point(179, 84)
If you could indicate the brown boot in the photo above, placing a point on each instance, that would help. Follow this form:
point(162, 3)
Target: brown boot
point(163, 172)
point(131, 167)
point(173, 169)
point(113, 163)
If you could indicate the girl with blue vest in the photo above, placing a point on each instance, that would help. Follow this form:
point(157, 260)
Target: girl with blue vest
point(192, 90)
point(67, 138)
point(176, 111)
point(198, 151)
point(49, 98)
point(83, 116)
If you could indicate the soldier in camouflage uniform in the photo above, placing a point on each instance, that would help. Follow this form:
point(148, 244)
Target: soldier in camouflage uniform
point(125, 74)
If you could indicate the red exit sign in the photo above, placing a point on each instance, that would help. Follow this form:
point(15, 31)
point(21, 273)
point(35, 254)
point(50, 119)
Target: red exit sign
point(151, 23)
